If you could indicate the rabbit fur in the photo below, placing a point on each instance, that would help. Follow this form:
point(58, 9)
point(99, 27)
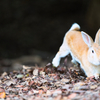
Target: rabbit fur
point(82, 49)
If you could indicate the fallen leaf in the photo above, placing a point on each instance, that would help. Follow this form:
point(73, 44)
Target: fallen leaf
point(58, 83)
point(10, 82)
point(41, 91)
point(27, 68)
point(30, 92)
point(25, 89)
point(35, 91)
point(44, 81)
point(79, 85)
point(31, 83)
point(2, 95)
point(2, 90)
point(93, 87)
point(42, 73)
point(64, 98)
point(74, 68)
point(65, 80)
point(85, 87)
point(35, 72)
point(4, 74)
point(57, 92)
point(8, 99)
point(19, 86)
point(71, 96)
point(20, 76)
point(48, 93)
point(27, 75)
point(61, 69)
point(67, 86)
point(58, 98)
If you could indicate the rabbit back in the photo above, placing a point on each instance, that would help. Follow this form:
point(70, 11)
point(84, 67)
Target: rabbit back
point(76, 44)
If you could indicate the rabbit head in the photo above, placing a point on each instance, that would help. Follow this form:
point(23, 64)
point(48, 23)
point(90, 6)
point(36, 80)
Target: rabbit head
point(93, 53)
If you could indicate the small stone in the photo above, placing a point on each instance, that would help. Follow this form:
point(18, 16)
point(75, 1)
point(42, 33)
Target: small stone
point(20, 76)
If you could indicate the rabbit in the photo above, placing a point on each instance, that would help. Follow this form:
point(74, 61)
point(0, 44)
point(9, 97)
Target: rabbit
point(82, 49)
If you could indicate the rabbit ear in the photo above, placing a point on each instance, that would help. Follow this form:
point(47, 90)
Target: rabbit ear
point(97, 38)
point(87, 39)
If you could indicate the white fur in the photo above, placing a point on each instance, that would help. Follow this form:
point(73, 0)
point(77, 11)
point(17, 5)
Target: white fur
point(74, 26)
point(64, 49)
point(89, 61)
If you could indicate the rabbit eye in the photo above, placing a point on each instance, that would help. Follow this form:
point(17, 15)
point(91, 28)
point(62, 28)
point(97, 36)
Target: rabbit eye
point(92, 51)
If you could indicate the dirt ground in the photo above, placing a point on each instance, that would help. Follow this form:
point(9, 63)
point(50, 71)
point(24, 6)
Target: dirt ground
point(42, 83)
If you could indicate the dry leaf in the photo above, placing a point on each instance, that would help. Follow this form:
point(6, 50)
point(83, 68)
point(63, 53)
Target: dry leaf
point(41, 91)
point(65, 80)
point(4, 74)
point(10, 82)
point(35, 72)
point(44, 81)
point(19, 86)
point(27, 68)
point(35, 91)
point(42, 73)
point(71, 96)
point(79, 85)
point(93, 87)
point(48, 93)
point(2, 90)
point(2, 95)
point(57, 92)
point(20, 76)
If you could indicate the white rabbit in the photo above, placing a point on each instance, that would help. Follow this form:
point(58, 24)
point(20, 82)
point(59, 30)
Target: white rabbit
point(82, 49)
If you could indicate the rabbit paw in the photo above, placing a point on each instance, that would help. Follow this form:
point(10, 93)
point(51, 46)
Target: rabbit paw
point(55, 62)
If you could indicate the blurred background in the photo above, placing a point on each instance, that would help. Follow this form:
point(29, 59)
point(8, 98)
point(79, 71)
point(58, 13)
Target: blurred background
point(31, 31)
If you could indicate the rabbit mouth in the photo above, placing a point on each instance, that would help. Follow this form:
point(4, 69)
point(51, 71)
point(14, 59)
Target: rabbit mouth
point(97, 64)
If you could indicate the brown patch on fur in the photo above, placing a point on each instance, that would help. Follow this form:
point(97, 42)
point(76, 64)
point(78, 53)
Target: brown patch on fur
point(76, 43)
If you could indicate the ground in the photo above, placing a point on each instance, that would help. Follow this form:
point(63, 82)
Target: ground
point(42, 83)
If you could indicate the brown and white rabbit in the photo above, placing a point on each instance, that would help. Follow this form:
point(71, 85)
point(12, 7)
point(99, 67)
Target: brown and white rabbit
point(82, 49)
